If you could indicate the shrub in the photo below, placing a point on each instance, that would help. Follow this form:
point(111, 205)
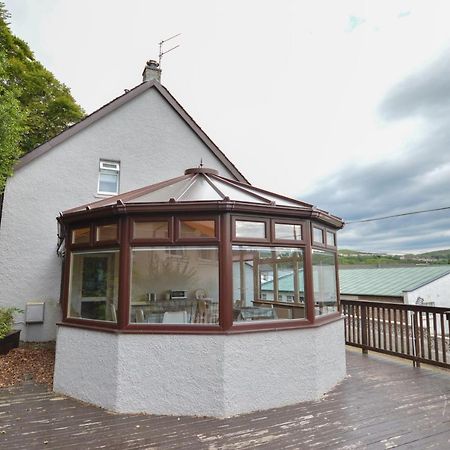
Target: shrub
point(7, 320)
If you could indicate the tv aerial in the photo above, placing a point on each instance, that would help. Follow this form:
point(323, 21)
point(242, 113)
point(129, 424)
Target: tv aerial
point(162, 52)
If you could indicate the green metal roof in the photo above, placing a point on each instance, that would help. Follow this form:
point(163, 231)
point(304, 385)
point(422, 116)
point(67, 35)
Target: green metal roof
point(392, 281)
point(285, 283)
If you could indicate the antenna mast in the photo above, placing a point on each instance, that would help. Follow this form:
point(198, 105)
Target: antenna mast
point(161, 52)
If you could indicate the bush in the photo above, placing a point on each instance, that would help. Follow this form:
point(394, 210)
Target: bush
point(7, 320)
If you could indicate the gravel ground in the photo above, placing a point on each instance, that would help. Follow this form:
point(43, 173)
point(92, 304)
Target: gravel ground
point(31, 361)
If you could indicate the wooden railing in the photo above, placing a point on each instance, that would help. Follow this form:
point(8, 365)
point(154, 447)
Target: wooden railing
point(416, 332)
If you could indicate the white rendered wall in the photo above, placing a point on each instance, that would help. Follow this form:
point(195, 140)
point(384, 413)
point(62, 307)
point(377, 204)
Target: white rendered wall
point(210, 375)
point(151, 142)
point(438, 291)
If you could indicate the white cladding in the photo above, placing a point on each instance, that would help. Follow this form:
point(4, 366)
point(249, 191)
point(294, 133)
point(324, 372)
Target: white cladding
point(151, 142)
point(204, 375)
point(437, 292)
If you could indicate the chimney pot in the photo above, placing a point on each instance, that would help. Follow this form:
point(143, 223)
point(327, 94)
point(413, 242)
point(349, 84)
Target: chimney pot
point(151, 71)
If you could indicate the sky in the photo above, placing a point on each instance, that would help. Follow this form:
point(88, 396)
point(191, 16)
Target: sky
point(343, 104)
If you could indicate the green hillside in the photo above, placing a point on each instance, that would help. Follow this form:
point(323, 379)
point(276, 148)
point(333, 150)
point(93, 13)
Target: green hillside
point(355, 257)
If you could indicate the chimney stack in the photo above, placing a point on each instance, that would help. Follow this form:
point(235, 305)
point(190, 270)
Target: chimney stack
point(151, 71)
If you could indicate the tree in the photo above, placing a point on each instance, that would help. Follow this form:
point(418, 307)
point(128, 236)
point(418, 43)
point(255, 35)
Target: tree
point(40, 109)
point(11, 126)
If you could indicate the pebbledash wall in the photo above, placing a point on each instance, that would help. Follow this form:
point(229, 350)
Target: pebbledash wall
point(436, 291)
point(152, 143)
point(210, 375)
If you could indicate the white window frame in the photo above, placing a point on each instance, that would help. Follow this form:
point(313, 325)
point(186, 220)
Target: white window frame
point(106, 166)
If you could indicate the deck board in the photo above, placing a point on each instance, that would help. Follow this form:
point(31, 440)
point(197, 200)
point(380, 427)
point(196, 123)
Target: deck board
point(383, 403)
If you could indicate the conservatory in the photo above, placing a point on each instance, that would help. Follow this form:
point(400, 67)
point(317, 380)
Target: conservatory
point(199, 295)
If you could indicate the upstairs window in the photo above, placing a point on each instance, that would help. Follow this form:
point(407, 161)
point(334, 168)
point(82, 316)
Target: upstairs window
point(108, 177)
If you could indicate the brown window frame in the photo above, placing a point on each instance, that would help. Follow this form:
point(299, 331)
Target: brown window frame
point(196, 240)
point(110, 242)
point(74, 245)
point(250, 240)
point(225, 239)
point(195, 328)
point(302, 224)
point(87, 323)
point(277, 323)
point(329, 246)
point(323, 229)
point(148, 241)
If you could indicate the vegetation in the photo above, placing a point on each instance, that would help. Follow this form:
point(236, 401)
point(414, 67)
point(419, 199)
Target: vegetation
point(34, 105)
point(353, 257)
point(7, 320)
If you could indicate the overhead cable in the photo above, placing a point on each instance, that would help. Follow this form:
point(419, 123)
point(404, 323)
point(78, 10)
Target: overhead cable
point(410, 213)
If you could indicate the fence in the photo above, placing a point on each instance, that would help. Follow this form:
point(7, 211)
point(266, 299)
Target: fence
point(416, 332)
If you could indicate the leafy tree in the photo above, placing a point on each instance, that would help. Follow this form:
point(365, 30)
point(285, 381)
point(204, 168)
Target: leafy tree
point(11, 126)
point(33, 102)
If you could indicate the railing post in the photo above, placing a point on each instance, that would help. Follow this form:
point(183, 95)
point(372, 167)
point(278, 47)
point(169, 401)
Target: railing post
point(364, 329)
point(416, 341)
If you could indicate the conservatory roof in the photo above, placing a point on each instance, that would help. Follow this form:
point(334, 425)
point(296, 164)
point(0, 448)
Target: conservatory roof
point(199, 185)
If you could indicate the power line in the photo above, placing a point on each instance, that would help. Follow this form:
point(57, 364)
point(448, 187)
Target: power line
point(410, 213)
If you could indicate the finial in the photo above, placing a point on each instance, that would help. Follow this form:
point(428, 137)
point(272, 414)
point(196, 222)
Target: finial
point(201, 163)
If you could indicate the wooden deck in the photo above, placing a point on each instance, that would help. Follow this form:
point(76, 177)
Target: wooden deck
point(383, 403)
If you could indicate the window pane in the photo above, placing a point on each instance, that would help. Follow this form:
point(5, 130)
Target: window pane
point(197, 229)
point(106, 233)
point(151, 230)
point(324, 276)
point(268, 283)
point(318, 235)
point(175, 285)
point(81, 235)
point(108, 182)
point(331, 239)
point(247, 229)
point(93, 288)
point(288, 231)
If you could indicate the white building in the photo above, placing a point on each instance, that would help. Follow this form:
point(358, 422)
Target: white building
point(141, 137)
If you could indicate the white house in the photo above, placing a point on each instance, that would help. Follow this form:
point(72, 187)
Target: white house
point(139, 138)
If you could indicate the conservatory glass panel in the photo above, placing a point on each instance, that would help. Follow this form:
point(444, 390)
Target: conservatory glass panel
point(331, 239)
point(318, 235)
point(106, 232)
point(324, 277)
point(252, 230)
point(268, 283)
point(288, 231)
point(81, 235)
point(191, 229)
point(93, 287)
point(175, 285)
point(151, 230)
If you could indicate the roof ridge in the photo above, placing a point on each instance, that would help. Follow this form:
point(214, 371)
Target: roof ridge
point(116, 103)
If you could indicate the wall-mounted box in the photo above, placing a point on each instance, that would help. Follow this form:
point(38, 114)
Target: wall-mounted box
point(34, 312)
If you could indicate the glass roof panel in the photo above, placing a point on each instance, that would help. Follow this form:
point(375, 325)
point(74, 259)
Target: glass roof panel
point(236, 194)
point(165, 193)
point(254, 194)
point(200, 190)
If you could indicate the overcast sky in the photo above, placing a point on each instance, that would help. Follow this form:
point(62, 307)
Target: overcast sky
point(343, 103)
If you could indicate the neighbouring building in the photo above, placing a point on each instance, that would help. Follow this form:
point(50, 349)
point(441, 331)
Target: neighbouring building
point(428, 285)
point(141, 137)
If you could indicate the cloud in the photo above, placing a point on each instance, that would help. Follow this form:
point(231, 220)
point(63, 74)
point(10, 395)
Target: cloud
point(416, 178)
point(426, 92)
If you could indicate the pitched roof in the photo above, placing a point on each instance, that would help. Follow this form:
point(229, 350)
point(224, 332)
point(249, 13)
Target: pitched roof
point(116, 103)
point(199, 185)
point(392, 281)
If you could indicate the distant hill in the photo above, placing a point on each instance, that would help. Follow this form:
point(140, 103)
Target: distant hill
point(355, 257)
